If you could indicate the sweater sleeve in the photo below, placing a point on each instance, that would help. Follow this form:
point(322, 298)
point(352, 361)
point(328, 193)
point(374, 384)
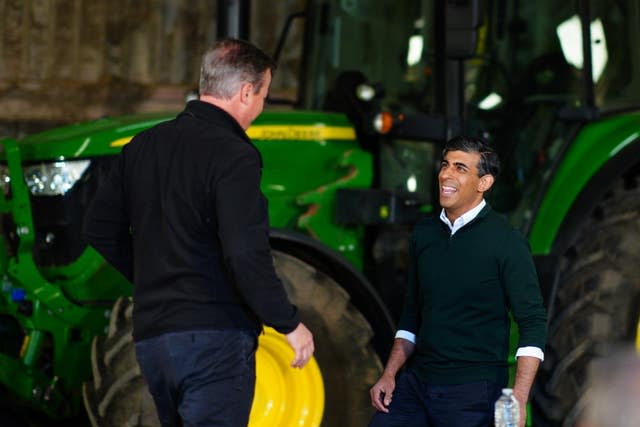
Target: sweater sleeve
point(106, 225)
point(243, 229)
point(410, 318)
point(523, 292)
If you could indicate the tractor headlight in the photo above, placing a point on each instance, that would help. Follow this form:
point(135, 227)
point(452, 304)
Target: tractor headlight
point(54, 179)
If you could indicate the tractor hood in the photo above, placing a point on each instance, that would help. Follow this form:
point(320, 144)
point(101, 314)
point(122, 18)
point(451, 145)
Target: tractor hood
point(106, 136)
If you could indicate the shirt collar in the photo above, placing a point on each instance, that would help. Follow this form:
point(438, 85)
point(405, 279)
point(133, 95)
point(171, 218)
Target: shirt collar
point(213, 114)
point(464, 219)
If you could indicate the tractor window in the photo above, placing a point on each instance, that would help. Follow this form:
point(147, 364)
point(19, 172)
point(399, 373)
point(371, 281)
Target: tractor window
point(522, 61)
point(515, 87)
point(530, 67)
point(387, 42)
point(532, 54)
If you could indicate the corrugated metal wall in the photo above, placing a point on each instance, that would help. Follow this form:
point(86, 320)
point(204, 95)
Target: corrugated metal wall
point(69, 60)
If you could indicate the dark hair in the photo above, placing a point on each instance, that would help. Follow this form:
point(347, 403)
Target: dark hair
point(229, 64)
point(489, 160)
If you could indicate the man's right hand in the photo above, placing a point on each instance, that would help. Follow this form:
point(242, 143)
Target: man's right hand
point(381, 393)
point(301, 341)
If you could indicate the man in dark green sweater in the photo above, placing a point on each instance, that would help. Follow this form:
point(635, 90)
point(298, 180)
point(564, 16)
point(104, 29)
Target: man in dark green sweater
point(468, 269)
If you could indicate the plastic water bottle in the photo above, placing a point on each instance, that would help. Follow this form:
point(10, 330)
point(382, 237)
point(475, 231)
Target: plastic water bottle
point(507, 410)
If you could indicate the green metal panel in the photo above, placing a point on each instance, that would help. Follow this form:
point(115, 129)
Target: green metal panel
point(301, 188)
point(88, 139)
point(596, 143)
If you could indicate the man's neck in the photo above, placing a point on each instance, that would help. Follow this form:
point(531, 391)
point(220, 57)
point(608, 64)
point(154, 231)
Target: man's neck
point(453, 216)
point(228, 105)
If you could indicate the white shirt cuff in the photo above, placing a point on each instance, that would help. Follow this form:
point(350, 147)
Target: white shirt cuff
point(530, 351)
point(406, 335)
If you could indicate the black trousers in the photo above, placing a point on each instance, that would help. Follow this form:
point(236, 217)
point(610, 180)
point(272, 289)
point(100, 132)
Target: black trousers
point(200, 378)
point(416, 404)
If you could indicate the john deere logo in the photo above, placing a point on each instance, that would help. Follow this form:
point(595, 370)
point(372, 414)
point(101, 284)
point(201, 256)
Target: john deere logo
point(300, 133)
point(285, 133)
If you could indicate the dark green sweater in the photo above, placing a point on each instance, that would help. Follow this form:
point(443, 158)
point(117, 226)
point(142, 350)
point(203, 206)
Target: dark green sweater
point(459, 294)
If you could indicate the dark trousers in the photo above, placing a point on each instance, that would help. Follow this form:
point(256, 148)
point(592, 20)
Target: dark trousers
point(416, 404)
point(200, 378)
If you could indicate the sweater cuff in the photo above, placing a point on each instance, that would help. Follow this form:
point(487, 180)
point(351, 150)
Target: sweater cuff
point(287, 325)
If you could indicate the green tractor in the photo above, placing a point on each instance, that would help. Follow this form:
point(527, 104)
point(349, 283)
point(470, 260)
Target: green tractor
point(349, 167)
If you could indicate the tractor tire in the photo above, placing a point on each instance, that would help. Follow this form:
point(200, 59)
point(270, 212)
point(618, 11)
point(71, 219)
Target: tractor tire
point(596, 306)
point(118, 395)
point(342, 338)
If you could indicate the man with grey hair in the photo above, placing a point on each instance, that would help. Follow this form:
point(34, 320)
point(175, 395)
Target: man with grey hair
point(181, 215)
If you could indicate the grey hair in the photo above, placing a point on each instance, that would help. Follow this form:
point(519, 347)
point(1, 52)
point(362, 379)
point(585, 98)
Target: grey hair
point(229, 64)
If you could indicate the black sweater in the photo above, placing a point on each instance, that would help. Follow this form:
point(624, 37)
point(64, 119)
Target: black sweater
point(460, 291)
point(181, 215)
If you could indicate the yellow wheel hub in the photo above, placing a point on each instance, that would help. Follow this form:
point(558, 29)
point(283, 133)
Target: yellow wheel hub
point(285, 396)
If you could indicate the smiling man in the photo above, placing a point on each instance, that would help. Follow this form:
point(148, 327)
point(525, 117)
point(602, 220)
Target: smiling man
point(468, 270)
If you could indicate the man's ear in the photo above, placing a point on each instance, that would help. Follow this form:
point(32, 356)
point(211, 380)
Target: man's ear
point(245, 92)
point(486, 181)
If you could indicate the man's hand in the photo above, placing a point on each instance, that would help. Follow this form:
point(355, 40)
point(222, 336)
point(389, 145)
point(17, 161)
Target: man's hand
point(522, 404)
point(526, 368)
point(382, 392)
point(301, 341)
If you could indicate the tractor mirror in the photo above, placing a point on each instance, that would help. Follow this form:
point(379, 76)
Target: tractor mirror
point(462, 20)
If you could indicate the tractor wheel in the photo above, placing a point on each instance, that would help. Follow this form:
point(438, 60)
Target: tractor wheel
point(342, 338)
point(348, 365)
point(118, 395)
point(596, 307)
